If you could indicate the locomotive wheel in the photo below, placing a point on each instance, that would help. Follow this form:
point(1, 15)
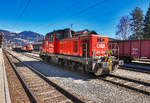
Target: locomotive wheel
point(82, 69)
point(62, 62)
point(73, 65)
point(85, 71)
point(114, 68)
point(46, 59)
point(66, 64)
point(70, 65)
point(99, 72)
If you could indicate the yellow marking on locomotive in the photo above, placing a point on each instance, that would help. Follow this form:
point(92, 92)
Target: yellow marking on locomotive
point(109, 51)
point(108, 59)
point(109, 65)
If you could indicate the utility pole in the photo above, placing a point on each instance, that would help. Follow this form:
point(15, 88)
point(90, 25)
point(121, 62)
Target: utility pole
point(70, 31)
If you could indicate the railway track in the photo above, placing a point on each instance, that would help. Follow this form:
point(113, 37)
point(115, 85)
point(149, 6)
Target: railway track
point(135, 70)
point(145, 60)
point(38, 87)
point(130, 83)
point(32, 56)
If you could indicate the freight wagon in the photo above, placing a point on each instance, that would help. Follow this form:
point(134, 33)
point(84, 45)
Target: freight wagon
point(130, 49)
point(84, 50)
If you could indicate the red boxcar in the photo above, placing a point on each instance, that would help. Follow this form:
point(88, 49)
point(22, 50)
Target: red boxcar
point(87, 50)
point(129, 49)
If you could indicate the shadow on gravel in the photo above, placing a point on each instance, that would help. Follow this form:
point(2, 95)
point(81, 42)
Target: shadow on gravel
point(50, 70)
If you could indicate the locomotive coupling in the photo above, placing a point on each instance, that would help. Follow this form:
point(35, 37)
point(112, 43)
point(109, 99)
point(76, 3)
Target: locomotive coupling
point(121, 62)
point(105, 64)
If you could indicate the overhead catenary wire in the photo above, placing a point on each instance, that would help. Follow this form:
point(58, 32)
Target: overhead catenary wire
point(89, 7)
point(22, 12)
point(86, 9)
point(19, 7)
point(75, 14)
point(24, 9)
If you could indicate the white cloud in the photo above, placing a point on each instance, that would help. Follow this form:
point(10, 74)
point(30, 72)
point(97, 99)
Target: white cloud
point(18, 31)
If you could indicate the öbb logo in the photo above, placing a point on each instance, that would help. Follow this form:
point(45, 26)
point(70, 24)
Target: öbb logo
point(51, 45)
point(100, 45)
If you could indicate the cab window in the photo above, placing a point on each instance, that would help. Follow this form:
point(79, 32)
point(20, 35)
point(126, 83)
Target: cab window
point(59, 36)
point(100, 39)
point(50, 37)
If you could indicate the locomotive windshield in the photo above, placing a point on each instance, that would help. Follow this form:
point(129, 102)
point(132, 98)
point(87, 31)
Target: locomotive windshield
point(51, 37)
point(100, 39)
point(59, 36)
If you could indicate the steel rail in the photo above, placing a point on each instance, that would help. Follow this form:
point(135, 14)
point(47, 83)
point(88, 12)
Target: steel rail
point(57, 87)
point(119, 77)
point(31, 96)
point(135, 69)
point(6, 89)
point(126, 85)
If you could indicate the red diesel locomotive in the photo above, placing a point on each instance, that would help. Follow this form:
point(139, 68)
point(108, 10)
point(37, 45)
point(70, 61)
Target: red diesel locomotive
point(84, 50)
point(27, 48)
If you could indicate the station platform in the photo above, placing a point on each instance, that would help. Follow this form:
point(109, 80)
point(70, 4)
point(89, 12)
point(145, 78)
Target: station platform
point(4, 91)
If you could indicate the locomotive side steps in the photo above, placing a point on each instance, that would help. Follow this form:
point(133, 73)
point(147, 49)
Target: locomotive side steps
point(61, 93)
point(4, 91)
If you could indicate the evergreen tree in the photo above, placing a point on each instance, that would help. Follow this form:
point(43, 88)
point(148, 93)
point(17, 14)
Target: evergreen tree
point(137, 21)
point(147, 24)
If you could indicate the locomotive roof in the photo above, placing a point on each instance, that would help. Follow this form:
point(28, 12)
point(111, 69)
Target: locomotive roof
point(85, 32)
point(62, 31)
point(67, 30)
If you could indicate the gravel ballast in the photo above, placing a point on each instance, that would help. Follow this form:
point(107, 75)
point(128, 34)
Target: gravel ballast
point(93, 89)
point(132, 74)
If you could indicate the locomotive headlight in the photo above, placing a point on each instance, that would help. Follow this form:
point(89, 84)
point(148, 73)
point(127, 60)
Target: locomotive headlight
point(121, 62)
point(102, 39)
point(94, 52)
point(106, 51)
point(105, 64)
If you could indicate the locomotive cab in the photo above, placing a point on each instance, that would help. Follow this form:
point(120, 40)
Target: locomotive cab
point(95, 51)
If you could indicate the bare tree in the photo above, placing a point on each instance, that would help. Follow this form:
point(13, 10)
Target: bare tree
point(123, 28)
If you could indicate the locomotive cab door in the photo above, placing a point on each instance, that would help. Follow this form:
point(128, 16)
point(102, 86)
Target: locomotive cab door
point(85, 48)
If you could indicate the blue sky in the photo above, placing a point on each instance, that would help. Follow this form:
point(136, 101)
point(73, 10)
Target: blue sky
point(43, 16)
